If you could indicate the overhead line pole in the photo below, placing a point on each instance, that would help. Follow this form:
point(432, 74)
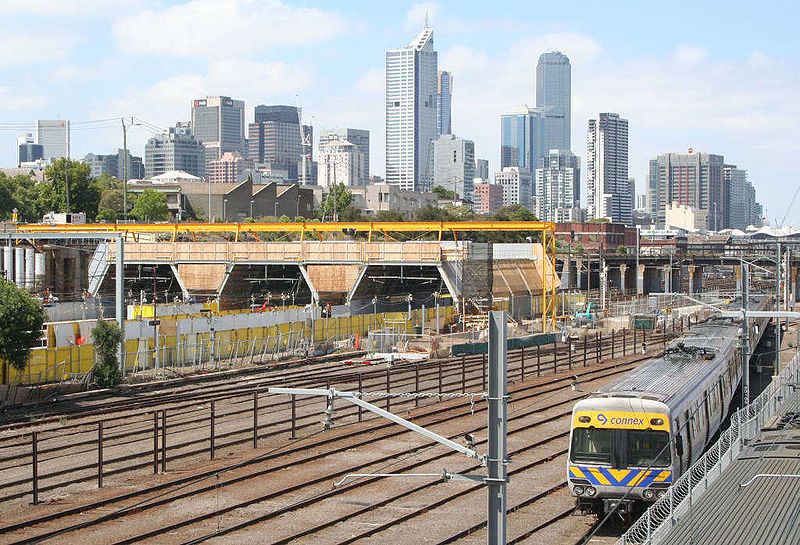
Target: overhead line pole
point(497, 462)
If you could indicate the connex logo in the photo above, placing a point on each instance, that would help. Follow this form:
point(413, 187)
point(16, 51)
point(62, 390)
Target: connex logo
point(602, 419)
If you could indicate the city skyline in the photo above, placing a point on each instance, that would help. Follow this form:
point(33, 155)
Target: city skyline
point(655, 82)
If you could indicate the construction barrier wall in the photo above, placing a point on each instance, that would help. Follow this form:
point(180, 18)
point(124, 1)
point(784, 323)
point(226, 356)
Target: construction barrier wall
point(245, 345)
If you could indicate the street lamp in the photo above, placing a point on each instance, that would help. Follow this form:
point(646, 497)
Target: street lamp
point(209, 197)
point(251, 208)
point(224, 210)
point(125, 156)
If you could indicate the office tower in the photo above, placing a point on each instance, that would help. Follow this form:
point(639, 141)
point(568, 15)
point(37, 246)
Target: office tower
point(691, 179)
point(114, 165)
point(278, 139)
point(482, 169)
point(218, 124)
point(411, 89)
point(557, 188)
point(524, 136)
point(517, 185)
point(742, 209)
point(278, 113)
point(27, 150)
point(453, 164)
point(359, 137)
point(554, 93)
point(341, 162)
point(607, 185)
point(444, 100)
point(177, 149)
point(53, 136)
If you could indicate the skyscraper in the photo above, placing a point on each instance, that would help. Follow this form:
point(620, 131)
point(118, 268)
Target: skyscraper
point(218, 124)
point(341, 162)
point(176, 150)
point(607, 185)
point(557, 189)
point(453, 164)
point(444, 99)
point(276, 138)
point(27, 150)
point(53, 136)
point(411, 90)
point(517, 185)
point(524, 136)
point(359, 137)
point(554, 92)
point(691, 179)
point(482, 169)
point(115, 165)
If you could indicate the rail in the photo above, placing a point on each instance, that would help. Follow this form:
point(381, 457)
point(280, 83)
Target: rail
point(654, 525)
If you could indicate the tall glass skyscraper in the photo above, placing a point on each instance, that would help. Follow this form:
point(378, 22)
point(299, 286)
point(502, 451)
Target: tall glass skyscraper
point(411, 96)
point(444, 100)
point(554, 92)
point(218, 123)
point(607, 184)
point(524, 136)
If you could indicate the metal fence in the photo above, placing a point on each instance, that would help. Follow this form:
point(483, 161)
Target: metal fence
point(677, 503)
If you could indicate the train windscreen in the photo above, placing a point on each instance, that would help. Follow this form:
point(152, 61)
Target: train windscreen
point(591, 445)
point(646, 448)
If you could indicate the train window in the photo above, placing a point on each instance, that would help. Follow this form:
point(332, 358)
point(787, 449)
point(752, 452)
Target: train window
point(645, 448)
point(591, 445)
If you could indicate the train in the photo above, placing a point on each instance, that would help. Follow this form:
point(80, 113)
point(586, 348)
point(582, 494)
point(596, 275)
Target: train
point(630, 439)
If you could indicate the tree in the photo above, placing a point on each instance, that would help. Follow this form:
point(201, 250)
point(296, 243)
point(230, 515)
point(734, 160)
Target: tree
point(622, 250)
point(21, 319)
point(151, 205)
point(335, 202)
point(84, 193)
point(389, 215)
point(600, 220)
point(514, 212)
point(106, 337)
point(111, 206)
point(444, 194)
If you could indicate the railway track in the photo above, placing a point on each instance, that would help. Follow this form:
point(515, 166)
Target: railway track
point(249, 418)
point(189, 487)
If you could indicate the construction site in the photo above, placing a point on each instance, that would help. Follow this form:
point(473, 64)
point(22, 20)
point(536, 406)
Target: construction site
point(331, 382)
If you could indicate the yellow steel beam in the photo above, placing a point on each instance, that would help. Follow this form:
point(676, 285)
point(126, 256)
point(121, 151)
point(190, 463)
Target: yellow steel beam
point(291, 227)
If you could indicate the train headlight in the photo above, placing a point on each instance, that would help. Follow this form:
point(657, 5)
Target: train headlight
point(591, 491)
point(648, 494)
point(578, 490)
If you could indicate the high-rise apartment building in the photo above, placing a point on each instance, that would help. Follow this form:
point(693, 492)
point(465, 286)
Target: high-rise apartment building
point(554, 94)
point(517, 185)
point(341, 162)
point(411, 91)
point(359, 137)
point(444, 101)
point(742, 208)
point(690, 179)
point(607, 184)
point(277, 138)
point(53, 136)
point(557, 189)
point(487, 198)
point(232, 167)
point(482, 169)
point(218, 124)
point(453, 164)
point(177, 149)
point(27, 150)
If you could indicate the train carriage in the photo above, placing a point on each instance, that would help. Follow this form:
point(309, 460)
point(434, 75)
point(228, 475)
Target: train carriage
point(632, 438)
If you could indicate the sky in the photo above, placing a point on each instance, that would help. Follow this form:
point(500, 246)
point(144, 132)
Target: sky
point(720, 77)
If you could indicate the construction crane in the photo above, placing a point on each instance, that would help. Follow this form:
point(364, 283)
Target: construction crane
point(305, 145)
point(789, 209)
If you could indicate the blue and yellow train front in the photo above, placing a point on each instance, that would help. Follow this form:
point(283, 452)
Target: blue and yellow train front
point(618, 456)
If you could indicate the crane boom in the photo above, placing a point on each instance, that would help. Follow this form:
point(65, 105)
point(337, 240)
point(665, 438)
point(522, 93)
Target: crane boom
point(791, 204)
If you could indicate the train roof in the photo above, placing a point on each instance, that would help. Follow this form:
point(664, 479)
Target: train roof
point(685, 363)
point(766, 509)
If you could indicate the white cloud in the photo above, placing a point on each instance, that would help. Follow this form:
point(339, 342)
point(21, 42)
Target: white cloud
point(463, 60)
point(14, 100)
point(24, 47)
point(689, 55)
point(222, 28)
point(74, 8)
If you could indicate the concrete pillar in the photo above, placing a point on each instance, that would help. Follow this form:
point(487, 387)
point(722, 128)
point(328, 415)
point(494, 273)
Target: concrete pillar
point(666, 278)
point(603, 284)
point(691, 269)
point(640, 279)
point(623, 269)
point(19, 266)
point(737, 271)
point(579, 271)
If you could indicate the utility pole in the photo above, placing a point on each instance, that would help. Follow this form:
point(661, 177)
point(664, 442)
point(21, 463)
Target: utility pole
point(497, 462)
point(777, 325)
point(745, 336)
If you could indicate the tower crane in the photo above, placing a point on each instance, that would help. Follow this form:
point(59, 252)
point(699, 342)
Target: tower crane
point(789, 209)
point(305, 146)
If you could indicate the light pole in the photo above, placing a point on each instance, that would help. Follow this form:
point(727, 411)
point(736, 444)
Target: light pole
point(209, 198)
point(276, 206)
point(251, 208)
point(224, 210)
point(638, 236)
